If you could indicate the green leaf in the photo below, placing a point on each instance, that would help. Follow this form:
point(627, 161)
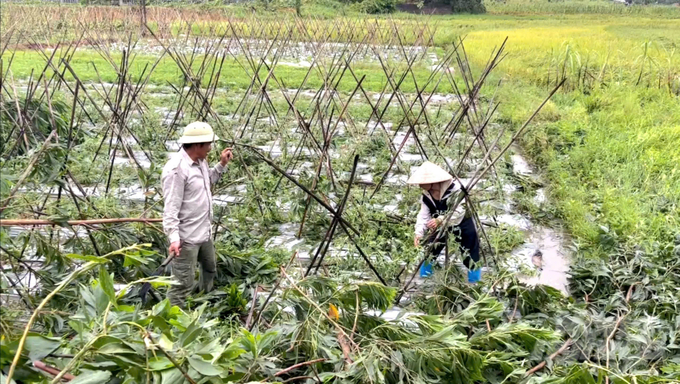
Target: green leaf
point(161, 309)
point(133, 260)
point(94, 259)
point(211, 347)
point(101, 298)
point(126, 308)
point(160, 363)
point(267, 341)
point(94, 377)
point(172, 376)
point(127, 361)
point(203, 367)
point(115, 349)
point(161, 281)
point(248, 342)
point(39, 346)
point(233, 351)
point(192, 332)
point(111, 343)
point(165, 343)
point(106, 282)
point(671, 369)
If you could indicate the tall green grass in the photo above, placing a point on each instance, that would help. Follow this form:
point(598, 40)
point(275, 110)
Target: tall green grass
point(612, 158)
point(575, 7)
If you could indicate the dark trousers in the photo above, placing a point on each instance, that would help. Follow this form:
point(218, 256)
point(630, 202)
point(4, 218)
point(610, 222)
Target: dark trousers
point(468, 242)
point(184, 271)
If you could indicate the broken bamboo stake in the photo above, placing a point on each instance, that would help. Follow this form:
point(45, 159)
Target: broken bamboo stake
point(331, 231)
point(292, 367)
point(29, 169)
point(33, 222)
point(305, 189)
point(52, 370)
point(542, 364)
point(346, 226)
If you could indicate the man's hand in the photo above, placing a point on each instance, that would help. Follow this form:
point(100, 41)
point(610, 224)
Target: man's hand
point(175, 248)
point(226, 156)
point(433, 224)
point(416, 241)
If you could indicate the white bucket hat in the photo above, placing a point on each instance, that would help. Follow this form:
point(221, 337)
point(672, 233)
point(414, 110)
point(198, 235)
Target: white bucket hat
point(198, 132)
point(429, 173)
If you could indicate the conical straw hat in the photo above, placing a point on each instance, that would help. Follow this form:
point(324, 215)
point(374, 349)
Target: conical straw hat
point(429, 173)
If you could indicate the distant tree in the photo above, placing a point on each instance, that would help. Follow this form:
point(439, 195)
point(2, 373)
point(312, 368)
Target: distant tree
point(378, 6)
point(467, 6)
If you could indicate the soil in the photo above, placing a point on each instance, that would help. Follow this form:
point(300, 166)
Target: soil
point(81, 43)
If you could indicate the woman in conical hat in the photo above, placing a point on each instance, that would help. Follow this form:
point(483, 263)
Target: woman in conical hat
point(438, 189)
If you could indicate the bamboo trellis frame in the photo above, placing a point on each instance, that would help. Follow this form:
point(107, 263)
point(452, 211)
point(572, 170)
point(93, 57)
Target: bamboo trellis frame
point(259, 50)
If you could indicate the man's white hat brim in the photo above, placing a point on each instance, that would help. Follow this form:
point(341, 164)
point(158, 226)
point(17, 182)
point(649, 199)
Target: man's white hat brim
point(198, 139)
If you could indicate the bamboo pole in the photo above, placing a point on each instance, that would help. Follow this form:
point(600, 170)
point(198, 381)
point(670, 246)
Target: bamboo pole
point(32, 222)
point(331, 231)
point(542, 364)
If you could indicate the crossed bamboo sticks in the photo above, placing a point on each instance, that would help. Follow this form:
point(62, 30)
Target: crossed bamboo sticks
point(259, 50)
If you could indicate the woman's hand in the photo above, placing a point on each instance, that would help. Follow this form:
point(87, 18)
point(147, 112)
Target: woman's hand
point(416, 241)
point(433, 224)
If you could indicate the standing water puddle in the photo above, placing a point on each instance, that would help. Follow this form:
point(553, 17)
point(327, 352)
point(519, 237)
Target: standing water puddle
point(545, 247)
point(545, 250)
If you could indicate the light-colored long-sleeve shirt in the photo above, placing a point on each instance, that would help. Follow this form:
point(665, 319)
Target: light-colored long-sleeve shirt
point(188, 211)
point(424, 216)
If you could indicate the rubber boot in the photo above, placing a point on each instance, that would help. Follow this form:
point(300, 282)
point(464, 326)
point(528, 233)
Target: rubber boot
point(474, 275)
point(426, 269)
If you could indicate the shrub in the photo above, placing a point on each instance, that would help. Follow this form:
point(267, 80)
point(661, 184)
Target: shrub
point(467, 6)
point(378, 6)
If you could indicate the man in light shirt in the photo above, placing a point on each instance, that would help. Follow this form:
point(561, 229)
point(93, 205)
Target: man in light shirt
point(188, 212)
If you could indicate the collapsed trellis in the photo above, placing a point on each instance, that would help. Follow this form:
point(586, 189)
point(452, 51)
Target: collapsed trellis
point(259, 47)
point(618, 309)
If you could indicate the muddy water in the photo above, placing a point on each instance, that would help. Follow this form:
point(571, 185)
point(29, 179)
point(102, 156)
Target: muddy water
point(555, 258)
point(544, 246)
